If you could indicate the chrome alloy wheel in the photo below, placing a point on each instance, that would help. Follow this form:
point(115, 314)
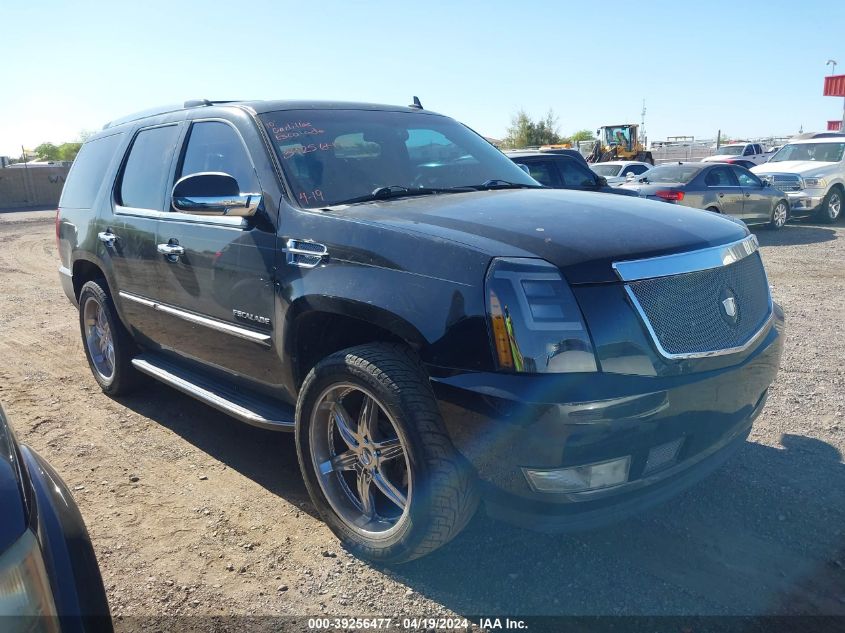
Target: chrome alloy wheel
point(779, 215)
point(834, 205)
point(358, 452)
point(98, 338)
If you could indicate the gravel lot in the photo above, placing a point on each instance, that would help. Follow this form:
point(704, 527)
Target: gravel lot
point(193, 513)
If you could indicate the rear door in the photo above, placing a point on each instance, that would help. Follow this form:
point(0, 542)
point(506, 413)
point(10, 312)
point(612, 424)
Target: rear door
point(723, 190)
point(218, 294)
point(757, 201)
point(137, 204)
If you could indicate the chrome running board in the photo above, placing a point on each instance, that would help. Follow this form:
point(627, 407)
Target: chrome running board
point(252, 408)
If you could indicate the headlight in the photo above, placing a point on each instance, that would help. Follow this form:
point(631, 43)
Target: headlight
point(535, 322)
point(814, 182)
point(26, 601)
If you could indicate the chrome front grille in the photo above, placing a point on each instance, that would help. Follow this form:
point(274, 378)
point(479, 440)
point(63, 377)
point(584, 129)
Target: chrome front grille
point(704, 303)
point(784, 182)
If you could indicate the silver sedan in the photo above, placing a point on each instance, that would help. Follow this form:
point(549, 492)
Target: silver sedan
point(718, 187)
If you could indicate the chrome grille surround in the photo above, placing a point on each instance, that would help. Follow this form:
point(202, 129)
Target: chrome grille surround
point(678, 299)
point(785, 182)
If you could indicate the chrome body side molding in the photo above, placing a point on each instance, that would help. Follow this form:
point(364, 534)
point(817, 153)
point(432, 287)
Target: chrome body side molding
point(214, 324)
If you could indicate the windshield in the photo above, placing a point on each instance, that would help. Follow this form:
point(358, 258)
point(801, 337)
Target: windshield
point(730, 150)
point(334, 156)
point(606, 170)
point(822, 152)
point(672, 173)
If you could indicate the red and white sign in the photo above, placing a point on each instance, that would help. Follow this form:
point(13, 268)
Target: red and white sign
point(834, 86)
point(834, 126)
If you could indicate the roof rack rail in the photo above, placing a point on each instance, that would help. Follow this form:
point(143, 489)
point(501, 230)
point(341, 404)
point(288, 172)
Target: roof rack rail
point(196, 103)
point(191, 103)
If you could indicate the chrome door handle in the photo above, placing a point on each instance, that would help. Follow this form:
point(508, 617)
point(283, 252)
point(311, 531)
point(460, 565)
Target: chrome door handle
point(107, 237)
point(171, 250)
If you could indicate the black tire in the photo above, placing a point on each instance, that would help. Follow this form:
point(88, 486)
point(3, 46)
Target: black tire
point(713, 210)
point(124, 378)
point(444, 498)
point(780, 215)
point(831, 208)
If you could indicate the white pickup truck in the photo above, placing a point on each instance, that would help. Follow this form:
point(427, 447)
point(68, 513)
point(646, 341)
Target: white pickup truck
point(739, 153)
point(812, 174)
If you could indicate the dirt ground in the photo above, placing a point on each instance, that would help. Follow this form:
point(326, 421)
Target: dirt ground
point(192, 513)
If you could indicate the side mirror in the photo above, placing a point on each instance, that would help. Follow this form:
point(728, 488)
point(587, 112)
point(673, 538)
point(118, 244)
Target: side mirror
point(630, 176)
point(213, 193)
point(601, 181)
point(765, 183)
point(524, 168)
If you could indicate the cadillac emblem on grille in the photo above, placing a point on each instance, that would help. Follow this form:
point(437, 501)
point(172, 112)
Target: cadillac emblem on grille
point(730, 311)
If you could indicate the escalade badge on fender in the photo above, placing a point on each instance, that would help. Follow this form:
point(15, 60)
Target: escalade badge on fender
point(730, 310)
point(240, 314)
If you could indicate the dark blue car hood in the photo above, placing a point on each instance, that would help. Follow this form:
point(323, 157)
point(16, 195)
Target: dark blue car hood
point(582, 233)
point(12, 512)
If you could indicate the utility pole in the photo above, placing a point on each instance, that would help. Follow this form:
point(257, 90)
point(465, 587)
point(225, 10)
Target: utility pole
point(832, 62)
point(643, 134)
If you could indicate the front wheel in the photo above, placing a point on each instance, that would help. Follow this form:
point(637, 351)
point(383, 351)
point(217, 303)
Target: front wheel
point(780, 214)
point(375, 457)
point(831, 207)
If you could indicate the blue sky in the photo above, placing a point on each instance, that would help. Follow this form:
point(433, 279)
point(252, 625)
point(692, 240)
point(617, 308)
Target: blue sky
point(748, 68)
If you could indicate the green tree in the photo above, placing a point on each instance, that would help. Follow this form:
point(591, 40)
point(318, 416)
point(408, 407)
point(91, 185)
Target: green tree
point(582, 135)
point(525, 132)
point(68, 151)
point(47, 151)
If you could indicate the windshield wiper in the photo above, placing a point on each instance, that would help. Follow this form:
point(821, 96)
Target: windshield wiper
point(496, 183)
point(400, 191)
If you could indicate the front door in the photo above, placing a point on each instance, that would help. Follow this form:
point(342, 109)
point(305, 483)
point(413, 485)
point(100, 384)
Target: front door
point(757, 204)
point(218, 293)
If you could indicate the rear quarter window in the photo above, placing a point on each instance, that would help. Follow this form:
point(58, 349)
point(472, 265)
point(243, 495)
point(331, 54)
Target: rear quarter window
point(88, 172)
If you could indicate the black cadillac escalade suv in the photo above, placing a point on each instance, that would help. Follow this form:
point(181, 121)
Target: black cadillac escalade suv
point(434, 325)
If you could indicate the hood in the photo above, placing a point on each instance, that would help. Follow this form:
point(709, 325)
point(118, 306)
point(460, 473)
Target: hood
point(582, 233)
point(13, 521)
point(802, 167)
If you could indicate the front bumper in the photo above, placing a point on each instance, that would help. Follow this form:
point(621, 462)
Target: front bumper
point(504, 423)
point(804, 203)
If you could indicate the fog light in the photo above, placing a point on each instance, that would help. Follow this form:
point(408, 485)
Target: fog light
point(580, 478)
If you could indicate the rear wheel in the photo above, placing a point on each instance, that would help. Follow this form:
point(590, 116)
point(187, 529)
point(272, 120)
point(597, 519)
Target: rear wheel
point(780, 214)
point(831, 207)
point(108, 346)
point(375, 457)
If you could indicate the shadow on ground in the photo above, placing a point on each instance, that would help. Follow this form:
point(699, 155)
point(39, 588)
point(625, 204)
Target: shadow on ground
point(764, 535)
point(797, 233)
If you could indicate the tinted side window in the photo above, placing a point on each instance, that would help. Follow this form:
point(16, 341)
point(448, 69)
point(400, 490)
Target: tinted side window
point(542, 173)
point(749, 150)
point(574, 175)
point(216, 146)
point(746, 178)
point(633, 169)
point(145, 174)
point(88, 170)
point(720, 177)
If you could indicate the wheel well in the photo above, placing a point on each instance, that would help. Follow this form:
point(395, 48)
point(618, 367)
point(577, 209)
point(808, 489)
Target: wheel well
point(319, 335)
point(84, 271)
point(713, 209)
